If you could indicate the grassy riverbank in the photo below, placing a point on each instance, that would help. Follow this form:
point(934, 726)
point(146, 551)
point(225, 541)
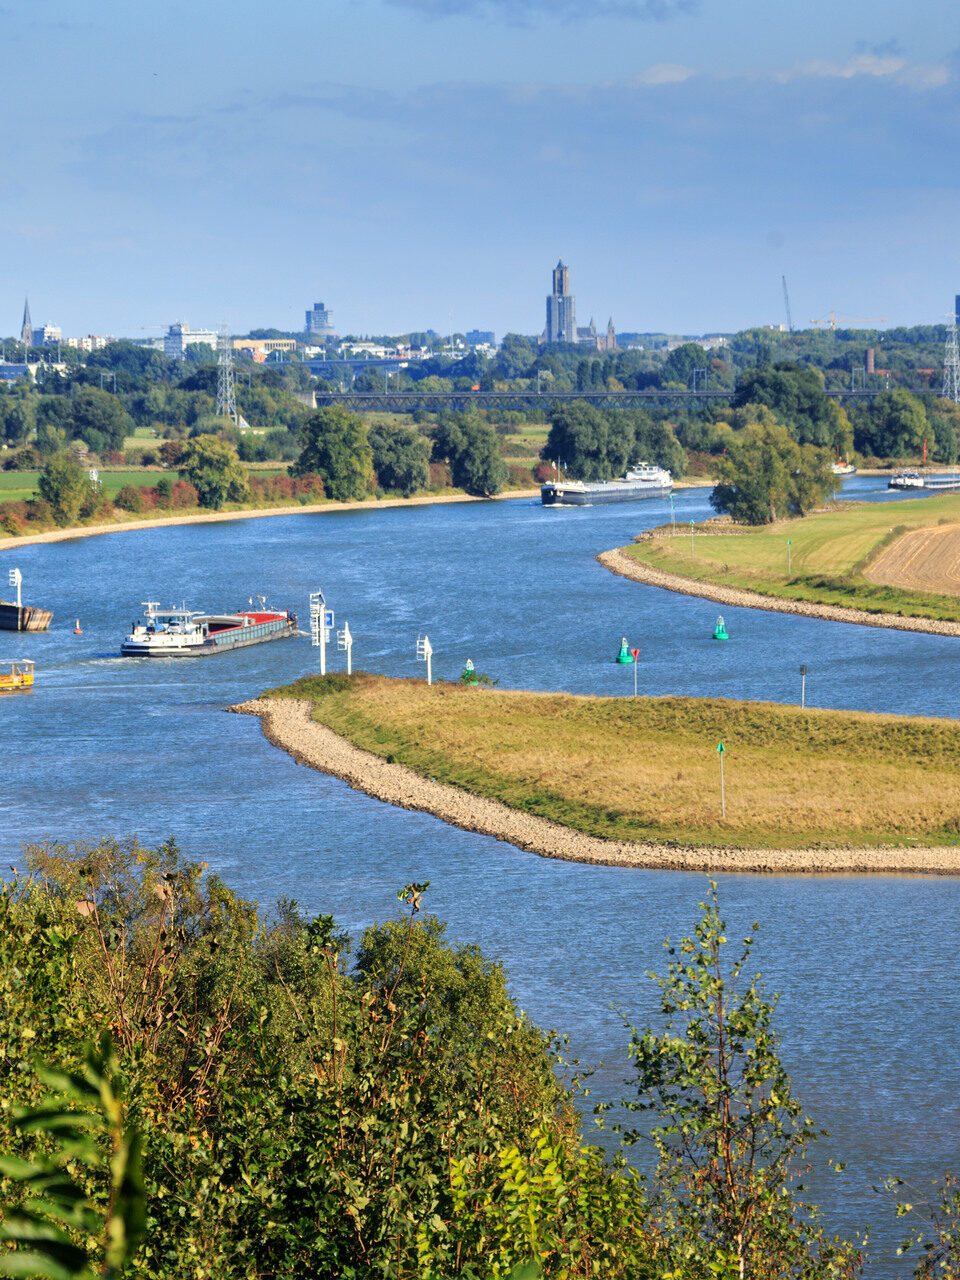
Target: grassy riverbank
point(830, 554)
point(647, 769)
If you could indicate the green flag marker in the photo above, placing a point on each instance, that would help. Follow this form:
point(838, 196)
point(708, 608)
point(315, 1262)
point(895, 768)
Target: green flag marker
point(720, 748)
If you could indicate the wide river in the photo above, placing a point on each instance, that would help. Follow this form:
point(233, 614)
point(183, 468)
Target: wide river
point(869, 1004)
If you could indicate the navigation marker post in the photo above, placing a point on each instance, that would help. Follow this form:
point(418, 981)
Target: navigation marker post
point(321, 620)
point(673, 516)
point(723, 803)
point(636, 655)
point(345, 641)
point(803, 687)
point(424, 654)
point(691, 539)
point(789, 561)
point(16, 580)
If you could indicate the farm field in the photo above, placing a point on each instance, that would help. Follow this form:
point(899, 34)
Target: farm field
point(18, 486)
point(648, 768)
point(923, 560)
point(864, 557)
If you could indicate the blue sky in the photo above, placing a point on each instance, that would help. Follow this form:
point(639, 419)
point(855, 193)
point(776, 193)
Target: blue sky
point(418, 163)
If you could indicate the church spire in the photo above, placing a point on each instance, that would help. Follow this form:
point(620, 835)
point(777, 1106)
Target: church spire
point(26, 329)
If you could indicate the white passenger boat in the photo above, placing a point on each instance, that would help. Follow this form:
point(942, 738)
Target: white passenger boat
point(183, 633)
point(906, 480)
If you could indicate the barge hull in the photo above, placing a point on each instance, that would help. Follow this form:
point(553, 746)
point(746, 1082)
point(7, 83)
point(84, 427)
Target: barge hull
point(26, 617)
point(599, 497)
point(207, 648)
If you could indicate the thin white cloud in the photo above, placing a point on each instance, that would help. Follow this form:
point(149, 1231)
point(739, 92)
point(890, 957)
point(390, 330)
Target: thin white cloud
point(664, 73)
point(876, 66)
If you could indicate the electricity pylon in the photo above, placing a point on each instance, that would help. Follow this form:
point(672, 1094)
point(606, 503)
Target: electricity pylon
point(226, 390)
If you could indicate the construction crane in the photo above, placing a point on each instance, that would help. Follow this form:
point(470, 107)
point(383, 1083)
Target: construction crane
point(835, 320)
point(786, 303)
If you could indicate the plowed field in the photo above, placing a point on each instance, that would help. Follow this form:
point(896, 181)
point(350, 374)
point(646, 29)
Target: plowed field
point(921, 560)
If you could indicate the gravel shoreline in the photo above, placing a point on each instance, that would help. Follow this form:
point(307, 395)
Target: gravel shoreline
point(617, 562)
point(287, 724)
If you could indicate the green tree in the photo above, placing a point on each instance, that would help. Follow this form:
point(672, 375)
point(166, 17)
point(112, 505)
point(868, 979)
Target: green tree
point(895, 426)
point(65, 485)
point(681, 362)
point(591, 444)
point(18, 413)
point(731, 1139)
point(796, 394)
point(472, 449)
point(334, 445)
point(211, 465)
point(401, 457)
point(944, 420)
point(765, 475)
point(99, 418)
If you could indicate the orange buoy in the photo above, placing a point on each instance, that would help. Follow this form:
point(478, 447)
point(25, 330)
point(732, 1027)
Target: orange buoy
point(76, 629)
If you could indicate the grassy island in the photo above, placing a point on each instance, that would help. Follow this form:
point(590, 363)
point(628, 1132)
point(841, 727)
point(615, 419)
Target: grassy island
point(646, 769)
point(876, 557)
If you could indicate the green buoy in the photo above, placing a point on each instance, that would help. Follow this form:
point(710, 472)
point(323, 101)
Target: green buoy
point(720, 630)
point(624, 655)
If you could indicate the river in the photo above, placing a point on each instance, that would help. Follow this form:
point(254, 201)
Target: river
point(868, 1012)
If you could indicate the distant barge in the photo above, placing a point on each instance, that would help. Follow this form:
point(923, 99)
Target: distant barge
point(644, 481)
point(935, 482)
point(182, 633)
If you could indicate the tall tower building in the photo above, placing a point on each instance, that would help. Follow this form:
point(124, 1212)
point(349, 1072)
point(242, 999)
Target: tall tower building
point(318, 322)
point(561, 308)
point(26, 329)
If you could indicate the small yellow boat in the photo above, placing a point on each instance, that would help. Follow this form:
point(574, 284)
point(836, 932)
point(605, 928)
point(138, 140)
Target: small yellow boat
point(17, 674)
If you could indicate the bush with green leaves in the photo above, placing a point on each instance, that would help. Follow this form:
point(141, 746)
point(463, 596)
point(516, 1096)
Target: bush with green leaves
point(298, 1118)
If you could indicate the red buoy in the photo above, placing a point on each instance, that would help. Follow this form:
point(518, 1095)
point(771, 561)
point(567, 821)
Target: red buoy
point(76, 629)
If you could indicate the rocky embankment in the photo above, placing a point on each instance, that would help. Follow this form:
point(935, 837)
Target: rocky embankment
point(619, 563)
point(287, 724)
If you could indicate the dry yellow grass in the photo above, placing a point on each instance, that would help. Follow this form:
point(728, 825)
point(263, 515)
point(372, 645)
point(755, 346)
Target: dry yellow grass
point(649, 768)
point(922, 560)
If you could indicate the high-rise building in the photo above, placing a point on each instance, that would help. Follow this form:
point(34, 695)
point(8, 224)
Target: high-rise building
point(561, 308)
point(319, 323)
point(180, 336)
point(26, 329)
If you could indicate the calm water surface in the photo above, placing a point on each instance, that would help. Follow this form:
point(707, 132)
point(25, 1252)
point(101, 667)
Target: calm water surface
point(869, 1004)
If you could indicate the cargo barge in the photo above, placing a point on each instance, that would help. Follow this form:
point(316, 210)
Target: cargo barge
point(644, 481)
point(183, 633)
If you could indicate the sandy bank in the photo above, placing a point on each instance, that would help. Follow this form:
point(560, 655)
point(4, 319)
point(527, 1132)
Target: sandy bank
point(626, 567)
point(287, 724)
point(208, 517)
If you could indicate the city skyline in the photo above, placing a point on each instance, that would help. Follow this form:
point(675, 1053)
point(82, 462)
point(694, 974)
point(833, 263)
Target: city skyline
point(681, 156)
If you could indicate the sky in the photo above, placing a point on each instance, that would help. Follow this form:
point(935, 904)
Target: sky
point(424, 163)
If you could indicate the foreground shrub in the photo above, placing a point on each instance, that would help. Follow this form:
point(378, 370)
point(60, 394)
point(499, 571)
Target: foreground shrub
point(298, 1119)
